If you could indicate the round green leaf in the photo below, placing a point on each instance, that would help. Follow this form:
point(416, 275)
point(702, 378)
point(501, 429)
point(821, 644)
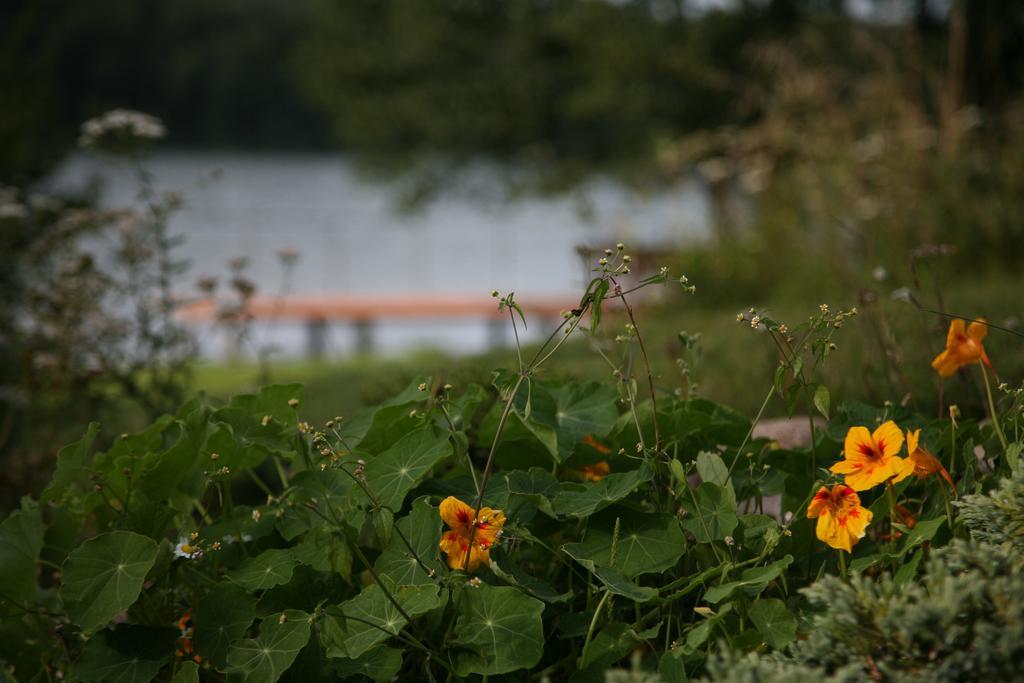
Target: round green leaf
point(776, 624)
point(263, 659)
point(222, 617)
point(647, 542)
point(590, 498)
point(714, 516)
point(268, 569)
point(104, 576)
point(500, 628)
point(21, 539)
point(127, 654)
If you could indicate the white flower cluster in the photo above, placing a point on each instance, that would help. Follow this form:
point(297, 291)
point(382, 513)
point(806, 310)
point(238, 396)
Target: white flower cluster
point(123, 123)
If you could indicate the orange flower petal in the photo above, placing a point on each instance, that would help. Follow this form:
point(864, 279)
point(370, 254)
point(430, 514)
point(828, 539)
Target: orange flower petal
point(888, 438)
point(457, 515)
point(977, 330)
point(858, 445)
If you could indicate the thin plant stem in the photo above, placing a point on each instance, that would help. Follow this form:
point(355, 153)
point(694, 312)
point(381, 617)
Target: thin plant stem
point(753, 425)
point(992, 409)
point(647, 368)
point(949, 512)
point(593, 623)
point(842, 564)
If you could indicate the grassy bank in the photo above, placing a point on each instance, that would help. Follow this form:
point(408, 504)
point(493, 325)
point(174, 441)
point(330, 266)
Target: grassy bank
point(884, 353)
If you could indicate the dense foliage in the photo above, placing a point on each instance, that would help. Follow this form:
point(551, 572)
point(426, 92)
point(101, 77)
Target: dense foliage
point(233, 539)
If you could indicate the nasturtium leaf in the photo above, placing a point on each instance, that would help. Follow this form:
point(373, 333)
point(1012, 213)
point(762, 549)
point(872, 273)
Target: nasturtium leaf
point(263, 659)
point(535, 485)
point(613, 643)
point(351, 637)
point(711, 468)
point(590, 498)
point(21, 540)
point(273, 401)
point(422, 529)
point(187, 673)
point(221, 617)
point(908, 570)
point(461, 486)
point(166, 470)
point(514, 575)
point(379, 664)
point(671, 667)
point(326, 551)
point(393, 473)
point(922, 532)
point(647, 542)
point(752, 581)
point(714, 516)
point(582, 409)
point(390, 421)
point(865, 562)
point(269, 568)
point(230, 452)
point(73, 471)
point(462, 408)
point(499, 630)
point(249, 430)
point(776, 623)
point(104, 576)
point(127, 654)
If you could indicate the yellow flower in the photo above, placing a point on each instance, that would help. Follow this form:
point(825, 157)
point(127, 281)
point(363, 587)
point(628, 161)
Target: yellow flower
point(841, 519)
point(455, 542)
point(596, 471)
point(925, 464)
point(871, 458)
point(963, 347)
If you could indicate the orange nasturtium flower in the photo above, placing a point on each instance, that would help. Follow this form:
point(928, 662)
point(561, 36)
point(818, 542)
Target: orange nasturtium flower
point(871, 457)
point(925, 464)
point(454, 542)
point(596, 445)
point(841, 519)
point(596, 471)
point(963, 347)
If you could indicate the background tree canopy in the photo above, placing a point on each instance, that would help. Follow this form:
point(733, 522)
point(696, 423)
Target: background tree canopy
point(580, 85)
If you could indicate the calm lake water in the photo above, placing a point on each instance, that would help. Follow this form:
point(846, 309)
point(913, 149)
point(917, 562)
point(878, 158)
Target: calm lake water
point(354, 237)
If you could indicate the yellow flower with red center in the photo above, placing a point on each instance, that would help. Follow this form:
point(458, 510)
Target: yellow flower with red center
point(963, 347)
point(460, 519)
point(925, 464)
point(596, 471)
point(871, 457)
point(841, 519)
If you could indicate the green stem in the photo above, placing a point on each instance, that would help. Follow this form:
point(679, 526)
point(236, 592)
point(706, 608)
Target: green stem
point(945, 502)
point(992, 410)
point(842, 565)
point(593, 623)
point(753, 425)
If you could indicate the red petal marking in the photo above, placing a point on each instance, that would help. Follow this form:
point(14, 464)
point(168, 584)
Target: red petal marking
point(821, 495)
point(463, 515)
point(881, 445)
point(855, 513)
point(865, 449)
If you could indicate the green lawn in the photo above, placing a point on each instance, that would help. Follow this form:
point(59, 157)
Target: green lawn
point(883, 354)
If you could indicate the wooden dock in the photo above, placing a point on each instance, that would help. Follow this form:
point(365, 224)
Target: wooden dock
point(363, 311)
